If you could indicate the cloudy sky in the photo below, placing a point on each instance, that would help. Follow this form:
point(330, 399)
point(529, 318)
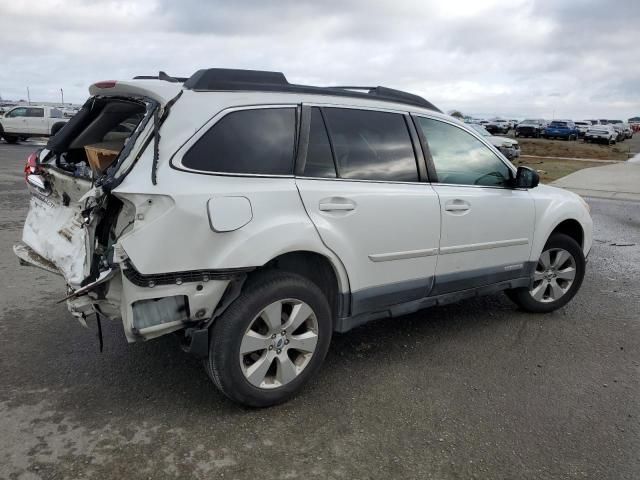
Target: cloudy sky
point(562, 58)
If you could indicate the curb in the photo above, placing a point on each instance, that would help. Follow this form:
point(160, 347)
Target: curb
point(583, 192)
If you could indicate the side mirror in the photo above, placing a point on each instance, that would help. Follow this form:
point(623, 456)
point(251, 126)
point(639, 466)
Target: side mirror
point(526, 178)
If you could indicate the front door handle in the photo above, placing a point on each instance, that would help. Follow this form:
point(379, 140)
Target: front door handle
point(336, 204)
point(457, 206)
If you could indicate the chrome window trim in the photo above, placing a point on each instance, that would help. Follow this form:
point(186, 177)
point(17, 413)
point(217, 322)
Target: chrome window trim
point(356, 107)
point(479, 137)
point(302, 177)
point(184, 148)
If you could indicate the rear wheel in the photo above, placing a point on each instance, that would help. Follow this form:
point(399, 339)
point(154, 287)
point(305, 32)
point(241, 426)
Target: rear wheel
point(556, 279)
point(10, 138)
point(271, 340)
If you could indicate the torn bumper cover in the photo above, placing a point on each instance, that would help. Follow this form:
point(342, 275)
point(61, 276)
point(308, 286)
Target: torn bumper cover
point(152, 306)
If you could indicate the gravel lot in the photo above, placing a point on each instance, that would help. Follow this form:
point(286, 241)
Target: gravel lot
point(473, 390)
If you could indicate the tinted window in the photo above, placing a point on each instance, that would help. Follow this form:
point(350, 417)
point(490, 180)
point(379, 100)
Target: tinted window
point(257, 141)
point(371, 145)
point(319, 159)
point(55, 113)
point(460, 158)
point(35, 112)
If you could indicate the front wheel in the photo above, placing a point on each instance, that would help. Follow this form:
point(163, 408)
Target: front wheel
point(556, 279)
point(271, 340)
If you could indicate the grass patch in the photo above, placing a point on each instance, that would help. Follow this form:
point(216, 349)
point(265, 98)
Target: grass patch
point(574, 149)
point(551, 169)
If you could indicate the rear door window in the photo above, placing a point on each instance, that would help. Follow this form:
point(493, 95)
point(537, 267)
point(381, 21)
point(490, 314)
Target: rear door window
point(35, 112)
point(319, 161)
point(371, 145)
point(257, 141)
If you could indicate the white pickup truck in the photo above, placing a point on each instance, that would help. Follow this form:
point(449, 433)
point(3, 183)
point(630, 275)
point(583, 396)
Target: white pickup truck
point(31, 121)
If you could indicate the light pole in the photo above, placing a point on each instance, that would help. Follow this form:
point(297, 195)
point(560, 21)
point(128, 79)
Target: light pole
point(28, 96)
point(62, 95)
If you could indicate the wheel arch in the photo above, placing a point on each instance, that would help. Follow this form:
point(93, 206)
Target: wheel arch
point(327, 273)
point(572, 228)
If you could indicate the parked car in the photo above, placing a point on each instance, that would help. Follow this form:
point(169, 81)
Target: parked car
point(23, 122)
point(508, 146)
point(601, 134)
point(562, 129)
point(582, 127)
point(621, 135)
point(530, 128)
point(498, 126)
point(514, 124)
point(255, 218)
point(628, 131)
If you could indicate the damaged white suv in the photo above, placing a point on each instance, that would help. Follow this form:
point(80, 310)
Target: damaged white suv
point(256, 217)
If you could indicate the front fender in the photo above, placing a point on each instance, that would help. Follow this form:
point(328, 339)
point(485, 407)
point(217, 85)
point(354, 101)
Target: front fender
point(553, 206)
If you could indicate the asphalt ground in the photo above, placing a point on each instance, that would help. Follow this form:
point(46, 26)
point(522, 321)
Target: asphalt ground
point(472, 390)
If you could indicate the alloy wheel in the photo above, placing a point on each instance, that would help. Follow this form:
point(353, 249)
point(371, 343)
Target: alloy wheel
point(554, 275)
point(279, 343)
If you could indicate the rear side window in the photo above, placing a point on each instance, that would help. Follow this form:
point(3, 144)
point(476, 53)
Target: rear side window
point(370, 145)
point(259, 141)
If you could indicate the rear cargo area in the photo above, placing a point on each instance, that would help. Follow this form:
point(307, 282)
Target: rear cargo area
point(71, 217)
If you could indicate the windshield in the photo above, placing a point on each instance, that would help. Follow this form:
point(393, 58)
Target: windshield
point(480, 129)
point(558, 124)
point(529, 122)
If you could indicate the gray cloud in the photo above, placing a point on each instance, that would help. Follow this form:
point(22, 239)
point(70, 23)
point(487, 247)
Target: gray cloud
point(574, 58)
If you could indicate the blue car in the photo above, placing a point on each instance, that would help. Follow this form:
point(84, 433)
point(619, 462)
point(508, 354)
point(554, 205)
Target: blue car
point(564, 129)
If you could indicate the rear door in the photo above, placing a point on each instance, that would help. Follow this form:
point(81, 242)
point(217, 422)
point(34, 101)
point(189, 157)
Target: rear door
point(487, 226)
point(36, 122)
point(363, 190)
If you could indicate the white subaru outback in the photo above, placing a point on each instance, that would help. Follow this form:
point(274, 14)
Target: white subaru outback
point(256, 217)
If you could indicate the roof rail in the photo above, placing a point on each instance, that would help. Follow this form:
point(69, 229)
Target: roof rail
point(161, 76)
point(226, 79)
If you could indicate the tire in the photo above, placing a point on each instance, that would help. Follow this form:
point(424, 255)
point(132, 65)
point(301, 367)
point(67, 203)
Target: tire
point(239, 376)
point(10, 139)
point(544, 298)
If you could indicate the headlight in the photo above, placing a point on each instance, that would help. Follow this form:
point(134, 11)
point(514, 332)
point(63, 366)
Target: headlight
point(506, 145)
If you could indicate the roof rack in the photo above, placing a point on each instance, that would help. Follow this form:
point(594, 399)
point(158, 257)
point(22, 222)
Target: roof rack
point(227, 79)
point(161, 76)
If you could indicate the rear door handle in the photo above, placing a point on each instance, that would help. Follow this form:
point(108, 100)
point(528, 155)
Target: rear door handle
point(336, 204)
point(457, 206)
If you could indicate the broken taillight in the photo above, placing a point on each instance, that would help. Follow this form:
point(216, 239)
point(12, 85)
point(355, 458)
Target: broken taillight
point(32, 167)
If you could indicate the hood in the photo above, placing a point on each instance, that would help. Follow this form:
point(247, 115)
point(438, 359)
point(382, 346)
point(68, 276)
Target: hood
point(499, 141)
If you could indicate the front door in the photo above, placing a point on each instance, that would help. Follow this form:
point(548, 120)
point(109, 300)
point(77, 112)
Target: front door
point(361, 188)
point(487, 226)
point(15, 121)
